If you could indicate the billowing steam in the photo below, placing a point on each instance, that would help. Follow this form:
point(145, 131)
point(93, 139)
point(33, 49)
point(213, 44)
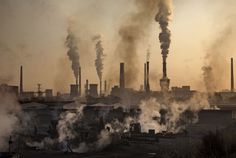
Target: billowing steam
point(73, 54)
point(150, 118)
point(9, 108)
point(100, 56)
point(131, 32)
point(163, 17)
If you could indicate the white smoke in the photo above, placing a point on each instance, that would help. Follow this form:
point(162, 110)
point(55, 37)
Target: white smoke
point(9, 108)
point(150, 112)
point(66, 123)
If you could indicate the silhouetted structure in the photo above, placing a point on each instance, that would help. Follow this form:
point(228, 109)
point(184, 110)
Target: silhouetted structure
point(147, 86)
point(232, 75)
point(93, 90)
point(122, 75)
point(74, 90)
point(21, 80)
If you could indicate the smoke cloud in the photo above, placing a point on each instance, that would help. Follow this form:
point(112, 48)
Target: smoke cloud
point(163, 17)
point(150, 117)
point(73, 54)
point(100, 56)
point(216, 62)
point(9, 108)
point(131, 33)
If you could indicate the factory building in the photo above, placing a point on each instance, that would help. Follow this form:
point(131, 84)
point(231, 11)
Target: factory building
point(74, 90)
point(4, 88)
point(93, 90)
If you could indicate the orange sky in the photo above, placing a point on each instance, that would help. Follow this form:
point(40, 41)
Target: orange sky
point(32, 33)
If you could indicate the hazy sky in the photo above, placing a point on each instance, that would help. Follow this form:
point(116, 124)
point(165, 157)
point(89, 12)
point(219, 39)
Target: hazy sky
point(33, 32)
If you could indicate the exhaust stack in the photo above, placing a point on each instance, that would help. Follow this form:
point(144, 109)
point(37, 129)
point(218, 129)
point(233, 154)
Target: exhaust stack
point(105, 87)
point(147, 86)
point(80, 92)
point(101, 87)
point(86, 88)
point(122, 75)
point(232, 75)
point(145, 77)
point(21, 80)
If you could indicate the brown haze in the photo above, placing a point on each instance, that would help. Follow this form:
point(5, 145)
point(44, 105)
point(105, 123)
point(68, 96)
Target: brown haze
point(33, 33)
point(215, 72)
point(131, 33)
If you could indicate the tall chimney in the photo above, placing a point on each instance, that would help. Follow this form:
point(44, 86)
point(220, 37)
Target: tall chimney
point(147, 86)
point(232, 75)
point(21, 80)
point(80, 92)
point(145, 77)
point(101, 87)
point(86, 87)
point(105, 86)
point(122, 75)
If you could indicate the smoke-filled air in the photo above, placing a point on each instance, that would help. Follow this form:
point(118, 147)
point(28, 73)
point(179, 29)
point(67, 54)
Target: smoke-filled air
point(89, 79)
point(73, 52)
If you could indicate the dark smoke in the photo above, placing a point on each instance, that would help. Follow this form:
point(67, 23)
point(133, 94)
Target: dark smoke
point(131, 32)
point(100, 56)
point(73, 54)
point(163, 17)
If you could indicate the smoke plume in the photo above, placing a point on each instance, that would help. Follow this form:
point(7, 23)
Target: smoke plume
point(100, 56)
point(73, 54)
point(163, 18)
point(216, 62)
point(131, 32)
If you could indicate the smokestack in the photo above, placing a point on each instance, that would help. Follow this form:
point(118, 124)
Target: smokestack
point(80, 92)
point(86, 87)
point(122, 75)
point(76, 80)
point(101, 87)
point(145, 77)
point(147, 86)
point(163, 18)
point(232, 75)
point(21, 80)
point(105, 86)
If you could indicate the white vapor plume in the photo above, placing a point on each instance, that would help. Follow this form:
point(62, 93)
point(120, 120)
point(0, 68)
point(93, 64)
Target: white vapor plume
point(9, 108)
point(66, 123)
point(150, 117)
